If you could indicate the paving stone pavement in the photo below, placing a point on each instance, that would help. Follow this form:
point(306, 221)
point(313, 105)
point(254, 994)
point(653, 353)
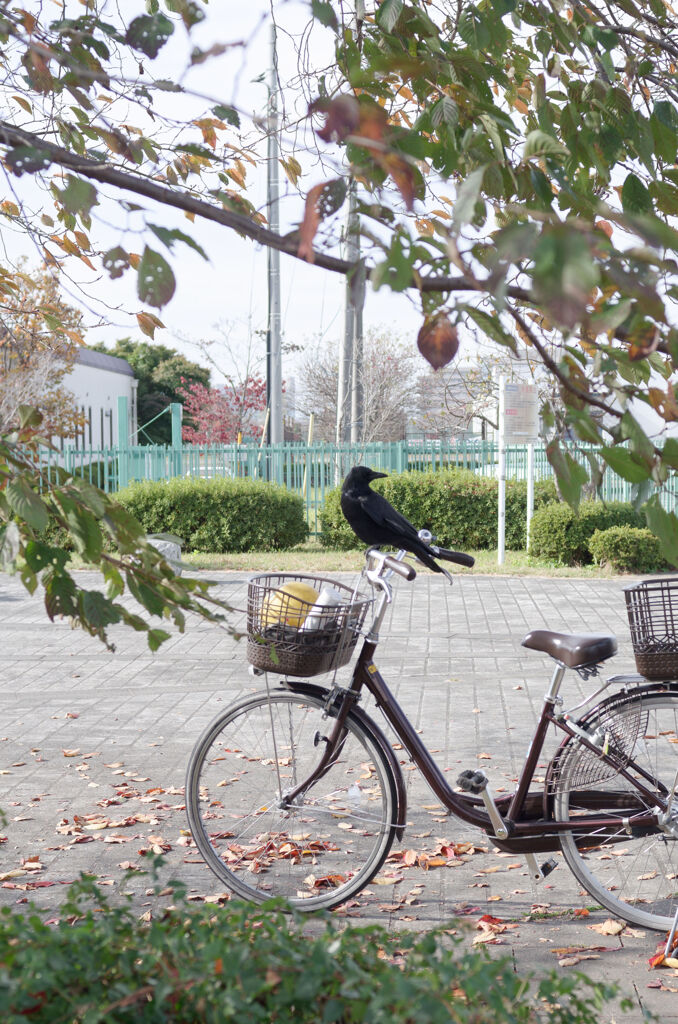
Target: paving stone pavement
point(76, 721)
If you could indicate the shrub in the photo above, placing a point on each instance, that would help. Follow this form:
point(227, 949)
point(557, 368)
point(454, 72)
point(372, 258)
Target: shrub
point(99, 963)
point(559, 534)
point(457, 506)
point(628, 549)
point(219, 515)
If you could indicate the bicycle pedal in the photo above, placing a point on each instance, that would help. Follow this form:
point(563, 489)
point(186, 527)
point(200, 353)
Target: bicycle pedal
point(472, 781)
point(538, 872)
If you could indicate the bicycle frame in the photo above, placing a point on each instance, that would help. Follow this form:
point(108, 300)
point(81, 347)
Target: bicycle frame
point(527, 815)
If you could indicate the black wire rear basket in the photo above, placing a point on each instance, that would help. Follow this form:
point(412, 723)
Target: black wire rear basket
point(652, 608)
point(289, 634)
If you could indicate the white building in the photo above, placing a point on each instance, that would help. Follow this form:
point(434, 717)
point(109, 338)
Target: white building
point(96, 381)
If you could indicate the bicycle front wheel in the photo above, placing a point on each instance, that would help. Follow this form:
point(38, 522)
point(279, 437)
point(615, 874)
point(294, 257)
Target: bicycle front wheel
point(631, 871)
point(328, 843)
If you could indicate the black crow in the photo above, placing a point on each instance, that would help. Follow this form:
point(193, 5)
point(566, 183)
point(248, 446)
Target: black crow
point(374, 520)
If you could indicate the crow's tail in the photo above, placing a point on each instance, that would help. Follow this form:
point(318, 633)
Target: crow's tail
point(426, 556)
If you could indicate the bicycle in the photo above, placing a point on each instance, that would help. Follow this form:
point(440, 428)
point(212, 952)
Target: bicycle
point(295, 791)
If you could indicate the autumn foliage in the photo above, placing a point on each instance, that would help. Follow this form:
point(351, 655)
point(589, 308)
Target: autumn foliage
point(222, 415)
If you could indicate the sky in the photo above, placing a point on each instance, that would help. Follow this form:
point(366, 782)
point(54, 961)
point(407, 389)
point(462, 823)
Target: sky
point(230, 289)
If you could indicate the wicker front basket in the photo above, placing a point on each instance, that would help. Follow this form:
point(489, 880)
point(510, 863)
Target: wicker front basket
point(276, 640)
point(652, 608)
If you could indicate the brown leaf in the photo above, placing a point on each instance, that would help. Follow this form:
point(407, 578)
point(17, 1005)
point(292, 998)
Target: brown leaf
point(322, 201)
point(343, 118)
point(402, 173)
point(572, 961)
point(438, 341)
point(609, 927)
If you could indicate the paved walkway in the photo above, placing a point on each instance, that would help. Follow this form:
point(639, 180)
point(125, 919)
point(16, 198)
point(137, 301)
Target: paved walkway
point(93, 749)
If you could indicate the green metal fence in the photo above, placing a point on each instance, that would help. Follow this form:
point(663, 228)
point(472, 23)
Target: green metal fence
point(311, 470)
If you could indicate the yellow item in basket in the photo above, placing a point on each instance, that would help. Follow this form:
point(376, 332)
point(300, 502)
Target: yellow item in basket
point(289, 605)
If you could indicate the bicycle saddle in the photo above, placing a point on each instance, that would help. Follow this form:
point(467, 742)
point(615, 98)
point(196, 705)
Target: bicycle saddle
point(572, 649)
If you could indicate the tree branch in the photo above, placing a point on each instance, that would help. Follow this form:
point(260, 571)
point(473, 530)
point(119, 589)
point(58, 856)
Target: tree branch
point(11, 136)
point(552, 365)
point(88, 168)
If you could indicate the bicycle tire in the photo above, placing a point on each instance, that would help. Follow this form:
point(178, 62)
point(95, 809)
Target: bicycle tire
point(635, 876)
point(315, 855)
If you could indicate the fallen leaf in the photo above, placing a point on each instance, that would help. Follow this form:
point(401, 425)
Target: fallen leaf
point(609, 927)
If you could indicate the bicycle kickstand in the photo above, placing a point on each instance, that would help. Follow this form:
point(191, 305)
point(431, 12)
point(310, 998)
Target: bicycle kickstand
point(672, 935)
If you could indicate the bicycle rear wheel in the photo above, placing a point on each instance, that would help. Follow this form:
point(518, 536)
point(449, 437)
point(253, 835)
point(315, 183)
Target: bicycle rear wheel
point(632, 872)
point(316, 853)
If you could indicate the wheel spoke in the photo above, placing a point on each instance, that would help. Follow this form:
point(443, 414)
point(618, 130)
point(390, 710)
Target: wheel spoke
point(316, 851)
point(634, 876)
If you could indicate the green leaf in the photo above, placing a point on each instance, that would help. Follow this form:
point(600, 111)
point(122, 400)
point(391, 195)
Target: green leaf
point(97, 610)
point(634, 196)
point(323, 12)
point(670, 452)
point(156, 283)
point(156, 637)
point(29, 579)
point(146, 595)
point(40, 556)
point(89, 496)
point(169, 236)
point(665, 196)
point(116, 584)
point(166, 85)
point(26, 503)
point(570, 475)
point(664, 525)
point(116, 261)
point(467, 196)
point(86, 532)
point(60, 593)
point(149, 33)
point(388, 13)
point(492, 327)
point(78, 196)
point(27, 160)
point(53, 322)
point(623, 463)
point(228, 114)
point(539, 144)
point(445, 111)
point(29, 416)
point(611, 317)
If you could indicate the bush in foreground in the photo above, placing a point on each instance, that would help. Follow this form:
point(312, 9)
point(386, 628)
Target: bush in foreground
point(219, 515)
point(101, 965)
point(457, 506)
point(628, 549)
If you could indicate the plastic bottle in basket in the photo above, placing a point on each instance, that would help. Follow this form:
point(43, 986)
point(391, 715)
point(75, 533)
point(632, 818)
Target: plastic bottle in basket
point(321, 615)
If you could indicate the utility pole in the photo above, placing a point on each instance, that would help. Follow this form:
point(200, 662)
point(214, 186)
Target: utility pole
point(349, 388)
point(273, 346)
point(346, 358)
point(357, 364)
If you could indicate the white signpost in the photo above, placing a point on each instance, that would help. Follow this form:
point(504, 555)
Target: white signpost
point(518, 424)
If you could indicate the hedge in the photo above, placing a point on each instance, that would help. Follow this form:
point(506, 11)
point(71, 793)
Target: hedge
point(219, 515)
point(628, 549)
point(100, 964)
point(457, 506)
point(559, 534)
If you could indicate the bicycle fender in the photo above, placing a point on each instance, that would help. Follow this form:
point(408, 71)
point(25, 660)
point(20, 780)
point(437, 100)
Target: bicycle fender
point(648, 689)
point(313, 690)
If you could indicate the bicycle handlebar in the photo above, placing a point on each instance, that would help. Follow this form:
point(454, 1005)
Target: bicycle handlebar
point(404, 569)
point(454, 556)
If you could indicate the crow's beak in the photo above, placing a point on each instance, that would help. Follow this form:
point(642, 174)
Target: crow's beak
point(376, 475)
